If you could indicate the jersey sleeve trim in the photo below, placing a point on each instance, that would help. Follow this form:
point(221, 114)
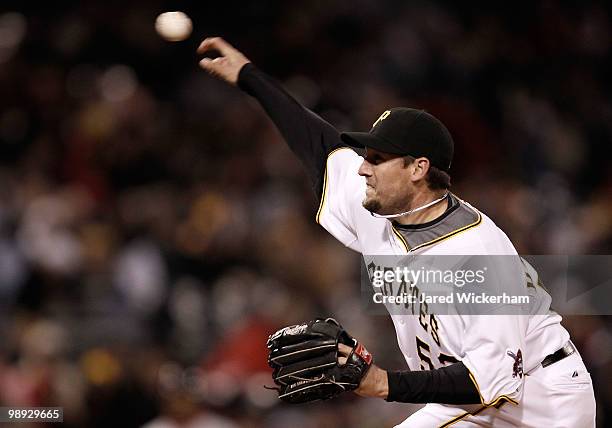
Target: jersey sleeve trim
point(494, 402)
point(451, 234)
point(324, 188)
point(497, 403)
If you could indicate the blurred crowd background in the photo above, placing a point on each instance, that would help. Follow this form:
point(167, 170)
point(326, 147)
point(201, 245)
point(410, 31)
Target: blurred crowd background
point(154, 228)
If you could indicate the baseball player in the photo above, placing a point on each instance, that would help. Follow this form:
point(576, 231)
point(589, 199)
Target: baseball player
point(394, 199)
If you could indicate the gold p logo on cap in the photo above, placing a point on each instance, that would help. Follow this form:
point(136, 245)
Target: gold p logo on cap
point(382, 117)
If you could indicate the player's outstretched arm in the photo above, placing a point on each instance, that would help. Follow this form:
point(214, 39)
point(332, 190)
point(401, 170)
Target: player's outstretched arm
point(309, 136)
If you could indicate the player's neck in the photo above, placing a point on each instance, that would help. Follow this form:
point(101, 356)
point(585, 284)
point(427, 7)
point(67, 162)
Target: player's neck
point(428, 214)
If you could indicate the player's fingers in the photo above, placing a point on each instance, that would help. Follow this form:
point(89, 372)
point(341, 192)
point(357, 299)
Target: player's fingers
point(210, 66)
point(204, 46)
point(206, 63)
point(344, 350)
point(222, 46)
point(216, 43)
point(342, 360)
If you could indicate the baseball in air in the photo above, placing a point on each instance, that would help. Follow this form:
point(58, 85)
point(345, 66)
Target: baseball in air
point(173, 26)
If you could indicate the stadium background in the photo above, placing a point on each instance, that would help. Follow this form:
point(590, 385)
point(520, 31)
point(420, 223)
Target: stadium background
point(154, 229)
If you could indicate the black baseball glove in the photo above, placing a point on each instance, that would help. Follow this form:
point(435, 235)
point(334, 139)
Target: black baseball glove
point(305, 361)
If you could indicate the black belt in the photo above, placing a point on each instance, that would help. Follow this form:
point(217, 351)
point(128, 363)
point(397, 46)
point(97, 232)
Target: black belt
point(566, 351)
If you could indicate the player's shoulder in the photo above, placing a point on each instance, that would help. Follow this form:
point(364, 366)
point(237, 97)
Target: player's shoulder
point(467, 230)
point(487, 238)
point(343, 156)
point(341, 175)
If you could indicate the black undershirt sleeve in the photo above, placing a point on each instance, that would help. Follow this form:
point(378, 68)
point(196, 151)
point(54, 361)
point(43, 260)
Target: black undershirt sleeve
point(309, 136)
point(446, 385)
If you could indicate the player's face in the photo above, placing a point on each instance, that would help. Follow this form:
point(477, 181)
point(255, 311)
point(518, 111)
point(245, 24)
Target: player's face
point(389, 188)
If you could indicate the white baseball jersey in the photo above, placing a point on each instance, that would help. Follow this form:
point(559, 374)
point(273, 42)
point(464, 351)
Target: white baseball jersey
point(496, 349)
point(486, 344)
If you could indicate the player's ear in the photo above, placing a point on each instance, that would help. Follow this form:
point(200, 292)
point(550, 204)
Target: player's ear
point(420, 168)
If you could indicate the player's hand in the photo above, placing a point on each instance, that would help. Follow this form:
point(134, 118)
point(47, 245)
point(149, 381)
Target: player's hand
point(228, 65)
point(374, 383)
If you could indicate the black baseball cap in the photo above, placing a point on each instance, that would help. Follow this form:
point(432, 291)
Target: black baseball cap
point(407, 131)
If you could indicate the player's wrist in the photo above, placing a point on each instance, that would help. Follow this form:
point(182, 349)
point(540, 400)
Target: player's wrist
point(383, 384)
point(243, 70)
point(374, 384)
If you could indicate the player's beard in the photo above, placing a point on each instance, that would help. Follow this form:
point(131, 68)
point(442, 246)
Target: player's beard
point(372, 205)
